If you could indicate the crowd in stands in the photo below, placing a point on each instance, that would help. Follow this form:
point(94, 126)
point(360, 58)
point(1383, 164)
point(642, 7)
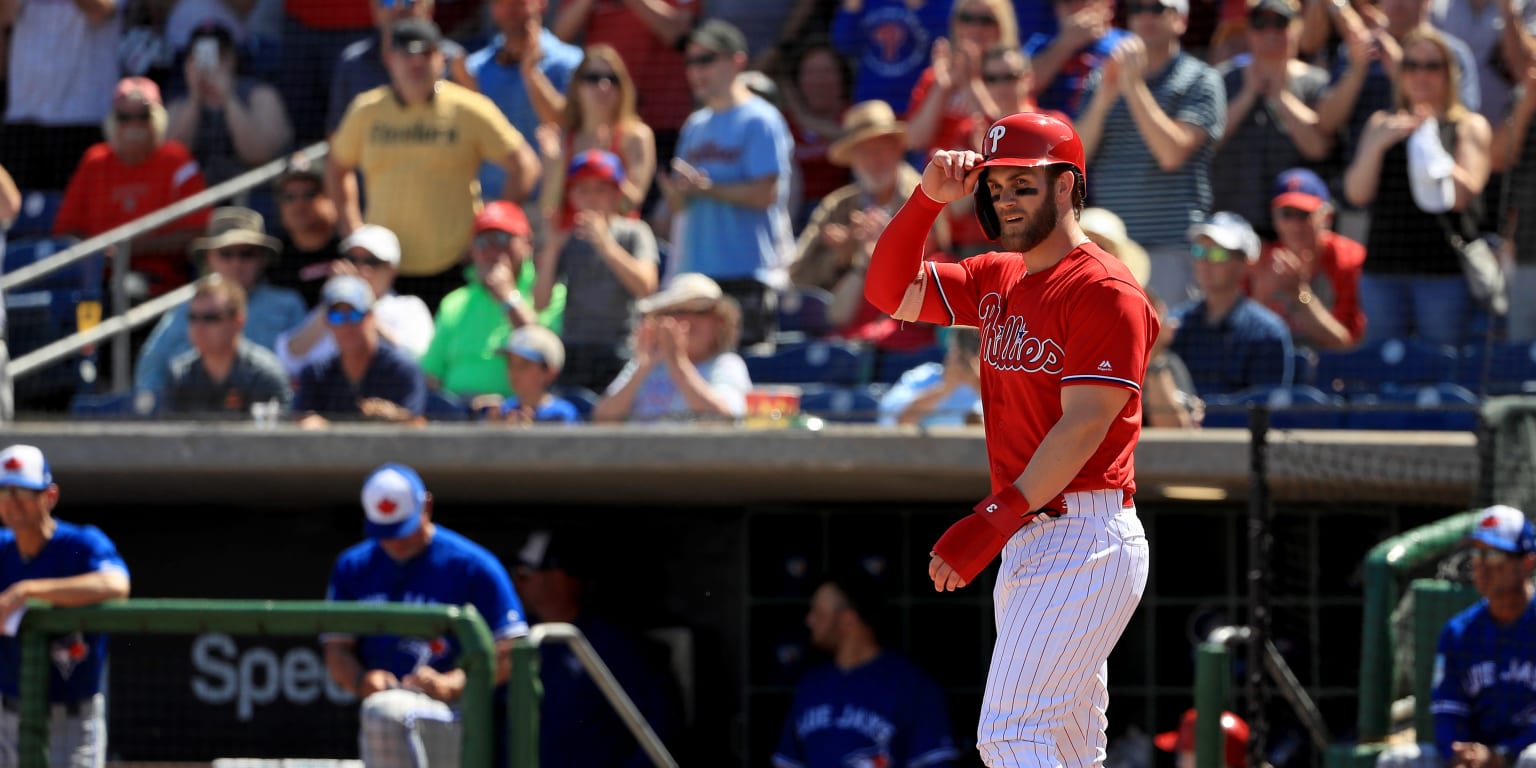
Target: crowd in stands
point(639, 210)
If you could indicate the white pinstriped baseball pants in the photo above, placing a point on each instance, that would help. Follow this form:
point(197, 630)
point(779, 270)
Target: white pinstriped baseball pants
point(1067, 589)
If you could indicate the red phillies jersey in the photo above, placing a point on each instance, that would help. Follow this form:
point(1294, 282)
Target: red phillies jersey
point(1083, 321)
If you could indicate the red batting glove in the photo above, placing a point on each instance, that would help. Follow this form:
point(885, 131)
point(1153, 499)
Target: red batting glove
point(971, 544)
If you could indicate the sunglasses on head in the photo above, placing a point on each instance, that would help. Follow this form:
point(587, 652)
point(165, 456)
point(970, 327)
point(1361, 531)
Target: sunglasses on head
point(197, 318)
point(1417, 65)
point(244, 254)
point(1215, 254)
point(495, 239)
point(352, 316)
point(1131, 9)
point(1003, 77)
point(1292, 214)
point(1261, 21)
point(598, 78)
point(293, 197)
point(975, 18)
point(131, 117)
point(702, 60)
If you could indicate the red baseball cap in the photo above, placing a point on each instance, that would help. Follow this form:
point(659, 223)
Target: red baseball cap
point(1232, 727)
point(137, 88)
point(597, 164)
point(502, 216)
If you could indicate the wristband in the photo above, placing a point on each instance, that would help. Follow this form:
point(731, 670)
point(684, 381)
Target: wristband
point(1006, 510)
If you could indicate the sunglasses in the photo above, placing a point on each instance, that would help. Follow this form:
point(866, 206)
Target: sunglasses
point(244, 254)
point(1215, 254)
point(345, 316)
point(1292, 214)
point(1416, 65)
point(702, 60)
point(598, 78)
point(294, 197)
point(1006, 77)
point(200, 318)
point(1489, 556)
point(131, 117)
point(493, 239)
point(976, 18)
point(366, 261)
point(1267, 21)
point(1131, 9)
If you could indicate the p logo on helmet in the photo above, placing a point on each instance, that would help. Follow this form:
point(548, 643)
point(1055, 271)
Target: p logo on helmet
point(1025, 140)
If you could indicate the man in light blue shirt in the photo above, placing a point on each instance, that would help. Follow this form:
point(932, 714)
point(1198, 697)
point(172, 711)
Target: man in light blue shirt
point(946, 394)
point(526, 70)
point(238, 249)
point(731, 180)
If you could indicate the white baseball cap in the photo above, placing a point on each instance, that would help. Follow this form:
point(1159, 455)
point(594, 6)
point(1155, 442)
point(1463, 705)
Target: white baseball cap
point(1506, 529)
point(377, 240)
point(1429, 169)
point(24, 466)
point(393, 500)
point(1230, 231)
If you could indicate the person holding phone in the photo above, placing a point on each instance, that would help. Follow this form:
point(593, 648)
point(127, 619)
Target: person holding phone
point(232, 123)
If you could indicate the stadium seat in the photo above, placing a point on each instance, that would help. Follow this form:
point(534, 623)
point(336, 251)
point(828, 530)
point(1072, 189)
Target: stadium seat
point(1510, 367)
point(1294, 407)
point(1429, 407)
point(810, 362)
point(38, 209)
point(1390, 362)
point(442, 406)
point(804, 311)
point(1304, 367)
point(46, 310)
point(584, 399)
point(842, 404)
point(114, 406)
point(889, 366)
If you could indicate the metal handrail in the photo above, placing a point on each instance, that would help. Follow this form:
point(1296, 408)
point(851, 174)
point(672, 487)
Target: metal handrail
point(133, 318)
point(606, 682)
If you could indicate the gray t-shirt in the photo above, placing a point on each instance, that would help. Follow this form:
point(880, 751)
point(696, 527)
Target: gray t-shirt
point(63, 67)
point(1159, 206)
point(598, 308)
point(256, 377)
point(1259, 148)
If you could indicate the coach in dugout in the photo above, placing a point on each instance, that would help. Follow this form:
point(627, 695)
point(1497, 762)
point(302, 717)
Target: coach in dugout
point(1484, 699)
point(43, 558)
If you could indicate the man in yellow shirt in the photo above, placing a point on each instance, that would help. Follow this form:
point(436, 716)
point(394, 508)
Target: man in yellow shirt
point(419, 143)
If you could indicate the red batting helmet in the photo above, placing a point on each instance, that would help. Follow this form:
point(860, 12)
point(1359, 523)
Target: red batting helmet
point(1025, 140)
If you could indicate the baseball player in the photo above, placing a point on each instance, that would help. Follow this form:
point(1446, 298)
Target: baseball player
point(1484, 698)
point(44, 558)
point(410, 686)
point(1065, 335)
point(869, 707)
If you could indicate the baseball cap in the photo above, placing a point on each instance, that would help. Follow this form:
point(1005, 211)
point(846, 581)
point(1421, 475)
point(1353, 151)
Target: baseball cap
point(689, 289)
point(1182, 6)
point(719, 35)
point(1505, 528)
point(140, 89)
point(536, 343)
point(1229, 231)
point(502, 216)
point(1429, 169)
point(597, 164)
point(347, 289)
point(544, 551)
point(299, 167)
point(414, 35)
point(1183, 740)
point(1282, 8)
point(376, 240)
point(1300, 188)
point(393, 499)
point(24, 466)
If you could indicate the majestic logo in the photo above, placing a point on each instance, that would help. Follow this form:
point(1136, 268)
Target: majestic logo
point(996, 135)
point(1006, 344)
point(1105, 366)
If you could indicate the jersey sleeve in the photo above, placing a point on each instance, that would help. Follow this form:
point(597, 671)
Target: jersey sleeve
point(100, 553)
point(1448, 702)
point(1110, 327)
point(347, 140)
point(791, 751)
point(1205, 103)
point(341, 588)
point(498, 140)
point(768, 147)
point(730, 381)
point(492, 595)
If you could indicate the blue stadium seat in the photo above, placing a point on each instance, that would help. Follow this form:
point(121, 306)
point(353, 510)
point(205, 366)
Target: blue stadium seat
point(889, 366)
point(1294, 407)
point(1304, 367)
point(1430, 407)
point(1398, 362)
point(804, 310)
point(584, 399)
point(1510, 367)
point(114, 406)
point(38, 209)
point(442, 406)
point(810, 362)
point(843, 404)
point(46, 310)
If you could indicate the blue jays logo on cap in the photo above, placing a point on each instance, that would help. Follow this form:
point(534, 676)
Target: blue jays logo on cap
point(1506, 529)
point(393, 500)
point(23, 466)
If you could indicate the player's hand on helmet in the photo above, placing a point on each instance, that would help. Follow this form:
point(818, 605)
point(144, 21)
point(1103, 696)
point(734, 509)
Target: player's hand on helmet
point(951, 174)
point(375, 680)
point(944, 578)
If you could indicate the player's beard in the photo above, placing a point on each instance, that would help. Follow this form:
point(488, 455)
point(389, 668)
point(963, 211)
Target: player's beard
point(1036, 228)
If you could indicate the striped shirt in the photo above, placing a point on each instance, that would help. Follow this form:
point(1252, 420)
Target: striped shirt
point(1159, 206)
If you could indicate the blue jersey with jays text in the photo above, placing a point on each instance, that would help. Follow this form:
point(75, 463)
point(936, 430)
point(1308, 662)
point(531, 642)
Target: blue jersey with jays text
point(883, 714)
point(1485, 681)
point(452, 570)
point(78, 660)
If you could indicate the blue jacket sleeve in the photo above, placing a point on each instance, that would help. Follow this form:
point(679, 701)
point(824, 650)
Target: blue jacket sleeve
point(155, 358)
point(1448, 701)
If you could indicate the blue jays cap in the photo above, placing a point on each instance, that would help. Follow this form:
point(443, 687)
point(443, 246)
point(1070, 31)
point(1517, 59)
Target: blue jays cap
point(23, 466)
point(1300, 188)
point(393, 500)
point(1505, 529)
point(597, 164)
